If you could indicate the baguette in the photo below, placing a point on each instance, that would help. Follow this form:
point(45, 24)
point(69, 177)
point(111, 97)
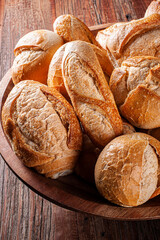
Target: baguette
point(55, 78)
point(89, 92)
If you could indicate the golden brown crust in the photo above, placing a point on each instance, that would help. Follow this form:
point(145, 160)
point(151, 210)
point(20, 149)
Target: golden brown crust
point(71, 28)
point(126, 170)
point(126, 40)
point(41, 126)
point(55, 78)
point(153, 8)
point(90, 95)
point(136, 89)
point(34, 52)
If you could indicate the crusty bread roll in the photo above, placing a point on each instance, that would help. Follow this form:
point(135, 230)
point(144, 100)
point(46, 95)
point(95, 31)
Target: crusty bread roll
point(89, 92)
point(136, 89)
point(126, 172)
point(135, 38)
point(42, 128)
point(33, 53)
point(153, 8)
point(55, 78)
point(71, 28)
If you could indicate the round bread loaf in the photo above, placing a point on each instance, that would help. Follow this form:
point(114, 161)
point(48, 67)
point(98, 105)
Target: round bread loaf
point(42, 128)
point(126, 172)
point(136, 89)
point(33, 53)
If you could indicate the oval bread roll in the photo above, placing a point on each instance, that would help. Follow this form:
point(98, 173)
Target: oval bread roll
point(135, 38)
point(89, 92)
point(126, 172)
point(136, 89)
point(55, 78)
point(154, 7)
point(71, 28)
point(42, 128)
point(33, 53)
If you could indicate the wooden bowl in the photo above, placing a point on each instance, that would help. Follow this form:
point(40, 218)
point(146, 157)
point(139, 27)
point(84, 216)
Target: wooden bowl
point(70, 192)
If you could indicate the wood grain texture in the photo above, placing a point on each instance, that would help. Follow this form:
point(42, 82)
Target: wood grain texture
point(24, 214)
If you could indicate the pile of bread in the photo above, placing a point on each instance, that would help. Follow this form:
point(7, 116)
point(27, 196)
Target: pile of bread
point(71, 91)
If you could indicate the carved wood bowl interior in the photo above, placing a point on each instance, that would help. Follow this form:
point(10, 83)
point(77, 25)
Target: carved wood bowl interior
point(70, 192)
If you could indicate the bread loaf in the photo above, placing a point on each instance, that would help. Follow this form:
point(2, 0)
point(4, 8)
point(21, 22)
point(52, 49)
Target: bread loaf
point(90, 95)
point(42, 128)
point(55, 78)
point(126, 172)
point(71, 28)
point(135, 38)
point(153, 8)
point(33, 53)
point(136, 89)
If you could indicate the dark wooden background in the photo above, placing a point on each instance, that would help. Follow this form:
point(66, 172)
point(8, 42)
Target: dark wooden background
point(24, 214)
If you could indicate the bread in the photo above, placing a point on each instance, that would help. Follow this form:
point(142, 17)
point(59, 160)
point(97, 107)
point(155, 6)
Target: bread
point(33, 53)
point(71, 28)
point(153, 8)
point(90, 95)
point(42, 128)
point(55, 78)
point(135, 38)
point(126, 170)
point(136, 89)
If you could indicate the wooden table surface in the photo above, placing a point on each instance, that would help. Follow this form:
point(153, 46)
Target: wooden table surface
point(24, 214)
